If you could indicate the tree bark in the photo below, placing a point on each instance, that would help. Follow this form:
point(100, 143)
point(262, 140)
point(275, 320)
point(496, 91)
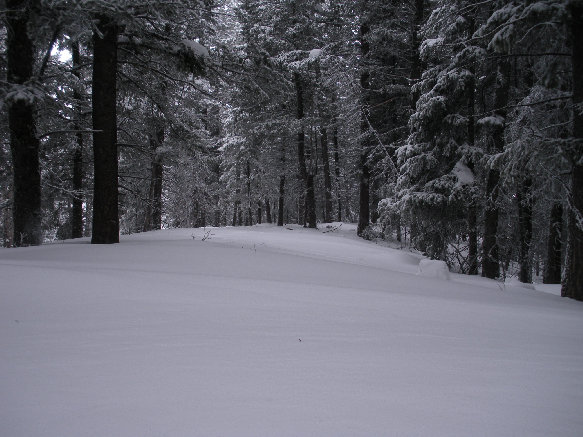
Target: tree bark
point(153, 216)
point(249, 217)
point(77, 201)
point(24, 145)
point(573, 282)
point(337, 174)
point(552, 274)
point(268, 218)
point(281, 201)
point(327, 178)
point(105, 191)
point(472, 240)
point(472, 209)
point(237, 205)
point(259, 212)
point(490, 255)
point(524, 197)
point(307, 215)
point(364, 171)
point(281, 197)
point(415, 42)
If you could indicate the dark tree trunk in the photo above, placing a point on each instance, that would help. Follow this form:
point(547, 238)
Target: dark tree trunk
point(415, 42)
point(375, 199)
point(490, 258)
point(472, 241)
point(157, 176)
point(105, 194)
point(490, 255)
point(281, 196)
point(280, 201)
point(77, 201)
point(237, 205)
point(472, 209)
point(249, 215)
point(24, 145)
point(573, 281)
point(259, 213)
point(235, 210)
point(153, 216)
point(397, 225)
point(327, 178)
point(524, 198)
point(307, 213)
point(268, 211)
point(364, 195)
point(552, 273)
point(364, 171)
point(337, 174)
point(311, 218)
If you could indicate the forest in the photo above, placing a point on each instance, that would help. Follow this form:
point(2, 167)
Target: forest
point(452, 127)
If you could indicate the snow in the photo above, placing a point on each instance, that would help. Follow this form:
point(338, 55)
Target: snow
point(492, 121)
point(196, 48)
point(314, 53)
point(433, 269)
point(263, 331)
point(464, 175)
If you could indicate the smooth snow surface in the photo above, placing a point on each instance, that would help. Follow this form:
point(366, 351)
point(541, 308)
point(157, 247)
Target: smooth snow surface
point(266, 331)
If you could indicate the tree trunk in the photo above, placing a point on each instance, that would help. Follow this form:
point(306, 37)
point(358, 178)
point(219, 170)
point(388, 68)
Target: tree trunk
point(235, 209)
point(364, 171)
point(364, 195)
point(552, 274)
point(472, 241)
point(307, 213)
point(105, 197)
point(249, 217)
point(281, 197)
point(237, 205)
point(337, 174)
point(280, 201)
point(24, 145)
point(77, 201)
point(573, 282)
point(153, 216)
point(415, 42)
point(490, 255)
point(327, 178)
point(524, 197)
point(490, 258)
point(259, 213)
point(268, 211)
point(311, 218)
point(472, 209)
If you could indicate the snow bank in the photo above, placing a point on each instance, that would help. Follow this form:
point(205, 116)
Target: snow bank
point(433, 269)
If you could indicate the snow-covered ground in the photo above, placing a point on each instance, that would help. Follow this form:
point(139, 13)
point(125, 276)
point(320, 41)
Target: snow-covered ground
point(266, 331)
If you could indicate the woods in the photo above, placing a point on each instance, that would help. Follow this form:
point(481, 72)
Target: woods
point(448, 126)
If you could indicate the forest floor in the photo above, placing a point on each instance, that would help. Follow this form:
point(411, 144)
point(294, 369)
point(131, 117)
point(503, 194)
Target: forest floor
point(267, 331)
